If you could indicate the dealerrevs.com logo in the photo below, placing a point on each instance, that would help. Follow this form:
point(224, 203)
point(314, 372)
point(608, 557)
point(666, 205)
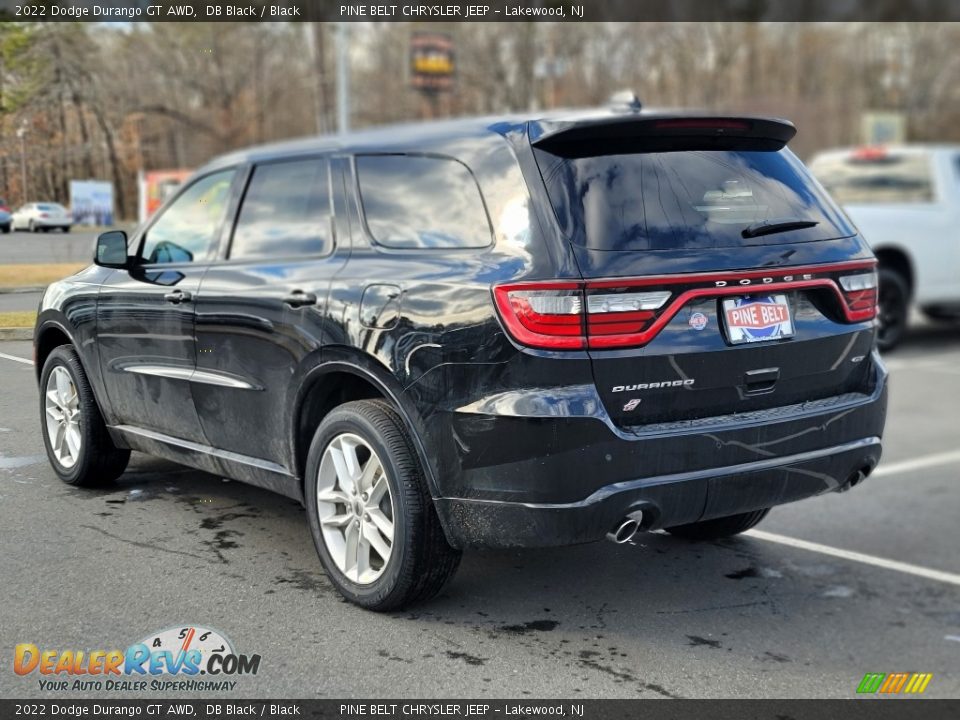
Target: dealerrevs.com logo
point(190, 658)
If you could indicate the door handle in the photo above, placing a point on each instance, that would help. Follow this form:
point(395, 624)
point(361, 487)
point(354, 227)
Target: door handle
point(177, 296)
point(299, 298)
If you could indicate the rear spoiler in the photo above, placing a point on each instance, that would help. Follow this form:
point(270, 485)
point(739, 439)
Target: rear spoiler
point(620, 133)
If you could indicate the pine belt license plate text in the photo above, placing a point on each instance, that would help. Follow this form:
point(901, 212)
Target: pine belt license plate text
point(757, 319)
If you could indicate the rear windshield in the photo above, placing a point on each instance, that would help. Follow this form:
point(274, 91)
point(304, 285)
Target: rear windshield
point(50, 207)
point(866, 176)
point(686, 199)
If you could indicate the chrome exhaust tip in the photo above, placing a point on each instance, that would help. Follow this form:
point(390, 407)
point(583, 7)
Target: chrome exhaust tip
point(626, 529)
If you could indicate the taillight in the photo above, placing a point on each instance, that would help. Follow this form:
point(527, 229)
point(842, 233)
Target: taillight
point(630, 312)
point(44, 215)
point(4, 208)
point(614, 319)
point(860, 294)
point(566, 316)
point(543, 315)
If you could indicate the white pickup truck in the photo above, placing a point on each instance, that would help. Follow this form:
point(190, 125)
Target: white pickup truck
point(906, 202)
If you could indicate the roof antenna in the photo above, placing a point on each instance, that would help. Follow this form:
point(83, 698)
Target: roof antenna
point(625, 101)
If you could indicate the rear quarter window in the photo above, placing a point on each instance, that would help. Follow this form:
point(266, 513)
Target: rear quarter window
point(418, 202)
point(871, 176)
point(685, 199)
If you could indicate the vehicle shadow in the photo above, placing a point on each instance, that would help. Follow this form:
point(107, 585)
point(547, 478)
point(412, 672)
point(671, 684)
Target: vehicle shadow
point(925, 335)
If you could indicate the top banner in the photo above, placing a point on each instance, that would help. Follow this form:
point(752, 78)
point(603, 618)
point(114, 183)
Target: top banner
point(480, 11)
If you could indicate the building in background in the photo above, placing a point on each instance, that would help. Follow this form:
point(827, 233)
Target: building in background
point(155, 186)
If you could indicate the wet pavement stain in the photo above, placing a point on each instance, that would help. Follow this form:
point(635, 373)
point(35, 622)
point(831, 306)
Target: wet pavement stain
point(531, 626)
point(696, 641)
point(749, 572)
point(304, 580)
point(466, 657)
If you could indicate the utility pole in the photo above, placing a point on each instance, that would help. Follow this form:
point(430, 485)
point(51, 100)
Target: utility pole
point(343, 79)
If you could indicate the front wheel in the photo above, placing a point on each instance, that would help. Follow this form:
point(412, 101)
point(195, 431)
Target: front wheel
point(371, 515)
point(719, 527)
point(74, 434)
point(5, 228)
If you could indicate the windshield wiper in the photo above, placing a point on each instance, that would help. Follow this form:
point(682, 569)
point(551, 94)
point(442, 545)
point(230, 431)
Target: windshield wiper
point(769, 227)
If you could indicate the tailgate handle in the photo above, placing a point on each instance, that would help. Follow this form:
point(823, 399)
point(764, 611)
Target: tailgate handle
point(761, 380)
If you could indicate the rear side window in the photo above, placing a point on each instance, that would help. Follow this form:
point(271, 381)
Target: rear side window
point(876, 176)
point(285, 212)
point(414, 202)
point(686, 199)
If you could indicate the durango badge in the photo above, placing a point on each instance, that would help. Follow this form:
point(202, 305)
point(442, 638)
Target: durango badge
point(650, 386)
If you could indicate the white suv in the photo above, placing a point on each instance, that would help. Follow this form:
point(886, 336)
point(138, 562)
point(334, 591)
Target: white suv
point(906, 202)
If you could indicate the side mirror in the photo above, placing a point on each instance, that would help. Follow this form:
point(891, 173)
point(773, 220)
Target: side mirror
point(112, 250)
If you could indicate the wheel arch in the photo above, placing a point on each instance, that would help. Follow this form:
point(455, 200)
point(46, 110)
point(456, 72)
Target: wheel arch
point(357, 378)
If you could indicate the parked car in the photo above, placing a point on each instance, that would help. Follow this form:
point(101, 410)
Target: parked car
point(514, 332)
point(42, 216)
point(5, 217)
point(906, 202)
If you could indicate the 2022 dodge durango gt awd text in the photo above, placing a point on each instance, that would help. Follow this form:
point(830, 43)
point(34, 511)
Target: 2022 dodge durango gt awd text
point(508, 332)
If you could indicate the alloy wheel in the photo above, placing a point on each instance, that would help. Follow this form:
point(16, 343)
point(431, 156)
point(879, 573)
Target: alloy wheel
point(62, 406)
point(355, 508)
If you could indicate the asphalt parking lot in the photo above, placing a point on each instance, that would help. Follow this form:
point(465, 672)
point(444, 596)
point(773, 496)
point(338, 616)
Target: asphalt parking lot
point(758, 616)
point(21, 246)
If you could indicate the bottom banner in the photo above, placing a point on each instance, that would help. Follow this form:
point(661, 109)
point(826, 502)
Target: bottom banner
point(867, 709)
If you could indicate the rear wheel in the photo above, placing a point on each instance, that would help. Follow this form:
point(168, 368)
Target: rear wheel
point(74, 434)
point(371, 515)
point(66, 228)
point(5, 228)
point(894, 308)
point(719, 527)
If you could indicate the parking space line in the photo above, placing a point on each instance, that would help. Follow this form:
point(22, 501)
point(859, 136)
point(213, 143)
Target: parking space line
point(944, 458)
point(908, 568)
point(16, 359)
point(916, 363)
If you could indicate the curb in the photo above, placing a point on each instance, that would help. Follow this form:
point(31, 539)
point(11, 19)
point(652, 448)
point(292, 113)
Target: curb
point(26, 289)
point(16, 333)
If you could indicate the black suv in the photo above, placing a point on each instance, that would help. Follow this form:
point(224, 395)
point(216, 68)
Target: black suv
point(482, 333)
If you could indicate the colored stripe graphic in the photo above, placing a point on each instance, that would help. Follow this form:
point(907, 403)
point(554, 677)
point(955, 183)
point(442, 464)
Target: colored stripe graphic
point(894, 683)
point(871, 682)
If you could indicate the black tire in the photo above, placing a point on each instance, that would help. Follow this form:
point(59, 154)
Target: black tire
point(421, 560)
point(99, 461)
point(66, 228)
point(719, 527)
point(5, 228)
point(942, 315)
point(894, 308)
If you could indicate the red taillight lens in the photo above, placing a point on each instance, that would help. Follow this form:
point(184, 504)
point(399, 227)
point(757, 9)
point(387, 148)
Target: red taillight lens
point(574, 315)
point(860, 294)
point(44, 215)
point(4, 208)
point(543, 315)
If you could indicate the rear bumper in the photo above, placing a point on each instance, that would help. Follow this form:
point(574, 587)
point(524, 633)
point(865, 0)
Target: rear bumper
point(665, 501)
point(534, 482)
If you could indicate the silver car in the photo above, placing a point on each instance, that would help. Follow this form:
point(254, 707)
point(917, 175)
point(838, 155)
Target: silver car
point(42, 216)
